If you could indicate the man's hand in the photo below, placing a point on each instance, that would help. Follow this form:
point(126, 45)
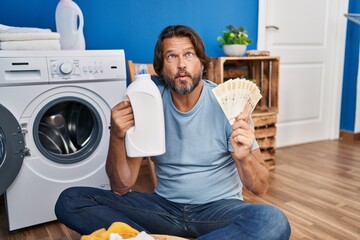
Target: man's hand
point(242, 136)
point(122, 119)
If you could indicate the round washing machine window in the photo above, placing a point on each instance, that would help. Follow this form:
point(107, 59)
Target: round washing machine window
point(67, 130)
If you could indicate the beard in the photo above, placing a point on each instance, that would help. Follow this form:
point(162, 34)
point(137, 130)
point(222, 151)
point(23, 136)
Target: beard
point(183, 88)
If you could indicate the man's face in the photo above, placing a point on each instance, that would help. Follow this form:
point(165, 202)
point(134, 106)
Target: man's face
point(182, 69)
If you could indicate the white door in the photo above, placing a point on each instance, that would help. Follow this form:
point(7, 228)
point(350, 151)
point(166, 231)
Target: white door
point(309, 37)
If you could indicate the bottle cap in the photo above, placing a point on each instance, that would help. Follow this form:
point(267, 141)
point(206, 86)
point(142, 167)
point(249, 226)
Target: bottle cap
point(141, 69)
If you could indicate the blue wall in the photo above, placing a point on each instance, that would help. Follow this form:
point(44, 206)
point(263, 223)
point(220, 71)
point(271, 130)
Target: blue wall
point(349, 91)
point(134, 25)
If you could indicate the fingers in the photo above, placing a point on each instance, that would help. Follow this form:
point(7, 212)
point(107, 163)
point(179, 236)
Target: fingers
point(243, 133)
point(242, 121)
point(122, 118)
point(123, 110)
point(244, 117)
point(121, 105)
point(244, 141)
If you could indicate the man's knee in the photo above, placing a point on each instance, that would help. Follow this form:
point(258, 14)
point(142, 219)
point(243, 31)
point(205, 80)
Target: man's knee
point(278, 226)
point(65, 200)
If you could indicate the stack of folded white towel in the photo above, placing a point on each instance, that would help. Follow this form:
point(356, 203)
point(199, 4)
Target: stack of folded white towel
point(23, 38)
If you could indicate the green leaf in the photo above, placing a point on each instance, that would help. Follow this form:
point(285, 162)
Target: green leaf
point(234, 36)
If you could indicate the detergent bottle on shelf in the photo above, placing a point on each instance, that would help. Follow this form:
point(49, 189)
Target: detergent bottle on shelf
point(69, 24)
point(147, 136)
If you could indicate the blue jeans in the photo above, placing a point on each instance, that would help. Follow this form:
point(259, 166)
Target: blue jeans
point(86, 209)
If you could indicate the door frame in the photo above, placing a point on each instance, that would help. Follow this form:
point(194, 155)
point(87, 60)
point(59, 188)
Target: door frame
point(337, 68)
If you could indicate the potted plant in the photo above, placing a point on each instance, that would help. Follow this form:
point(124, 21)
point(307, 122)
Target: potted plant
point(234, 41)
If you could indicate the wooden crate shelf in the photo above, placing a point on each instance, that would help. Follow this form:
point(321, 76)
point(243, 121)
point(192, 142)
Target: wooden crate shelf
point(264, 71)
point(265, 133)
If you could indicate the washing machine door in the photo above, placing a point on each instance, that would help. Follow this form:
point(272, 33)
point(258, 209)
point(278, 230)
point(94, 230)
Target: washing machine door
point(12, 148)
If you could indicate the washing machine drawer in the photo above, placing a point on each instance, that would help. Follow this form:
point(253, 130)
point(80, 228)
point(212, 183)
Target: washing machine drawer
point(12, 148)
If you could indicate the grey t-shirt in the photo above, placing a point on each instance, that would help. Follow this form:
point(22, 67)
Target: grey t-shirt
point(197, 166)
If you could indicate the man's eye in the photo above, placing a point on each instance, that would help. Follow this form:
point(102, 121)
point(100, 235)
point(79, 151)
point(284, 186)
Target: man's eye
point(171, 56)
point(189, 54)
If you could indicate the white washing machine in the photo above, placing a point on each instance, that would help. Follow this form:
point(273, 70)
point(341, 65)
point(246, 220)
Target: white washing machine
point(54, 126)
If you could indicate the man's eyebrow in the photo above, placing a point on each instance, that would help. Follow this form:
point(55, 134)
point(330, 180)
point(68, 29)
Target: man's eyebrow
point(185, 49)
point(168, 51)
point(190, 48)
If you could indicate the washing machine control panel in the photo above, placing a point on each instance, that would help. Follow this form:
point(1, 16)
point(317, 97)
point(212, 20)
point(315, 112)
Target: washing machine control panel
point(85, 69)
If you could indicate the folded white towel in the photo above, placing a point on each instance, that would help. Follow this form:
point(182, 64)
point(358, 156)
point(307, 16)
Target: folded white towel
point(8, 33)
point(25, 36)
point(31, 45)
point(23, 29)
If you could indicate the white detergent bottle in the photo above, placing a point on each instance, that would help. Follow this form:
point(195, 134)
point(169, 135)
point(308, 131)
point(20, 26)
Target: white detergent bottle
point(147, 136)
point(69, 24)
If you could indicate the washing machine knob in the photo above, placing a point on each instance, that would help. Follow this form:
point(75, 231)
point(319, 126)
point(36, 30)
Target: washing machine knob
point(66, 68)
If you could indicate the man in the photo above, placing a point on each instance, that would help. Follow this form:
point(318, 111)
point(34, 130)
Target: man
point(201, 175)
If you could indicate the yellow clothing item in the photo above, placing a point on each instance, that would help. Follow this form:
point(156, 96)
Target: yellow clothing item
point(123, 229)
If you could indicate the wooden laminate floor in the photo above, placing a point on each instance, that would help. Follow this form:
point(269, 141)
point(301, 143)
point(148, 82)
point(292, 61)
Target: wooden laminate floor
point(317, 185)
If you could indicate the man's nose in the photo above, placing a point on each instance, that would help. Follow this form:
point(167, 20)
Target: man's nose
point(181, 62)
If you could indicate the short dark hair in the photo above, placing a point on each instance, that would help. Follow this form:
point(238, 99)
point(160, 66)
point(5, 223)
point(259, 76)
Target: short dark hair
point(178, 31)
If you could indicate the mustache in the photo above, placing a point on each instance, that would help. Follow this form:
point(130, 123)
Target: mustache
point(182, 72)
